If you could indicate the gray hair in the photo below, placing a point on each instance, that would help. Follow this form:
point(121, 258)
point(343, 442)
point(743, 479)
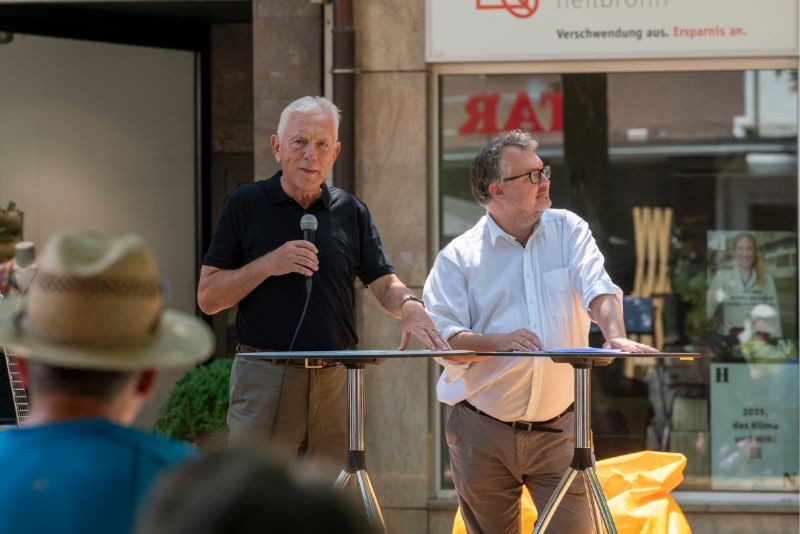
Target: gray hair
point(487, 167)
point(310, 104)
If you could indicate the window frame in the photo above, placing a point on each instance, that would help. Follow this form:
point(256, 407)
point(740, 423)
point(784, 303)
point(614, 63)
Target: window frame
point(700, 500)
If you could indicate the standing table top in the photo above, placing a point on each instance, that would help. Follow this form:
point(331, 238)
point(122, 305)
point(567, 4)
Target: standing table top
point(581, 355)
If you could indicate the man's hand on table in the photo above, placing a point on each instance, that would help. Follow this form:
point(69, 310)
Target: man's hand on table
point(520, 340)
point(627, 345)
point(417, 323)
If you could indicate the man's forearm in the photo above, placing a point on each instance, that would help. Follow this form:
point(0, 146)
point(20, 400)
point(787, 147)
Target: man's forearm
point(220, 289)
point(607, 313)
point(473, 341)
point(390, 292)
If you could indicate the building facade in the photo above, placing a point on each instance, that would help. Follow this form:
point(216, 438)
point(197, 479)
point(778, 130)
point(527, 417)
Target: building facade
point(670, 155)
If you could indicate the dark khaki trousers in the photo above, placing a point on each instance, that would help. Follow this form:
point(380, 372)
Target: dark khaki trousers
point(491, 461)
point(301, 410)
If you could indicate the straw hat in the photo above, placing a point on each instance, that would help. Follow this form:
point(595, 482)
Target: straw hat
point(96, 303)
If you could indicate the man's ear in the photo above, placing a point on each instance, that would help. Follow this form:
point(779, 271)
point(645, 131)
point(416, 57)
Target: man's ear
point(495, 190)
point(276, 147)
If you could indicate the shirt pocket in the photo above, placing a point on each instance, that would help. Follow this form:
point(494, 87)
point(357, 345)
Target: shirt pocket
point(557, 290)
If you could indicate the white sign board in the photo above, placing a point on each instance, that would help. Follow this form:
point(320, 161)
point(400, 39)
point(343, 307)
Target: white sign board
point(754, 424)
point(522, 30)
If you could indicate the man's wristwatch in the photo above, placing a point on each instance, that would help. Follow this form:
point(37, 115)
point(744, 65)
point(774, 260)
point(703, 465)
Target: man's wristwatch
point(411, 297)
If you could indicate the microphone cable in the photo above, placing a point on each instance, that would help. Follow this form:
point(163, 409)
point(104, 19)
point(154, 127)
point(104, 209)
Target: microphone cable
point(308, 225)
point(303, 314)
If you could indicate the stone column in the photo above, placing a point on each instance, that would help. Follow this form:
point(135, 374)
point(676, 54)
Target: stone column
point(231, 89)
point(287, 64)
point(391, 177)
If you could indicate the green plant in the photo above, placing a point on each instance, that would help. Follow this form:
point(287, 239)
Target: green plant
point(196, 407)
point(692, 289)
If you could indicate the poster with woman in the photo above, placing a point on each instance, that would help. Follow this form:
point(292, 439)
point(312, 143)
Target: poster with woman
point(752, 305)
point(751, 300)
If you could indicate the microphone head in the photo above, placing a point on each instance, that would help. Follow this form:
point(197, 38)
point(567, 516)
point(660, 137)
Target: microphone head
point(308, 222)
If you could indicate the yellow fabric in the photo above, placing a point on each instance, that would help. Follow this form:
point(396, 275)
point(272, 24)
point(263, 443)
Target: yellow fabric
point(637, 489)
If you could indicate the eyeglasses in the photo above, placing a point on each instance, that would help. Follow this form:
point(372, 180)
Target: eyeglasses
point(544, 172)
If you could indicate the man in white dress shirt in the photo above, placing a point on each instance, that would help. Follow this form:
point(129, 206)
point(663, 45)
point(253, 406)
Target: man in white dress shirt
point(524, 278)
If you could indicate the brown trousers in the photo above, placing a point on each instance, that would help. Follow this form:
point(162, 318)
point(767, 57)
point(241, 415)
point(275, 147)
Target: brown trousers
point(491, 461)
point(301, 410)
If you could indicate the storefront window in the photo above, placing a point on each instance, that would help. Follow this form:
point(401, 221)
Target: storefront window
point(689, 183)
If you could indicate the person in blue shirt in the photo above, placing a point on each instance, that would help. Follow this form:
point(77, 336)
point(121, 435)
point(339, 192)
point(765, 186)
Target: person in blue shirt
point(90, 336)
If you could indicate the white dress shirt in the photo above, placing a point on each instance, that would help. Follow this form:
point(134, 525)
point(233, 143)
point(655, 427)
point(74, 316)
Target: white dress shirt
point(485, 281)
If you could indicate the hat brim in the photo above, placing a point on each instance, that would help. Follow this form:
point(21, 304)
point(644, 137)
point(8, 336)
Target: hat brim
point(181, 341)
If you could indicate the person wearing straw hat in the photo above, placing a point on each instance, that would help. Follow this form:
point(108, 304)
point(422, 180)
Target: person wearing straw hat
point(259, 262)
point(90, 334)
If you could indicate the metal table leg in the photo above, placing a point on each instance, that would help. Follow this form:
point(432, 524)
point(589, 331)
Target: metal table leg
point(581, 461)
point(356, 463)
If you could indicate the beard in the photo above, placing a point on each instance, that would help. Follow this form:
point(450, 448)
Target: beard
point(542, 202)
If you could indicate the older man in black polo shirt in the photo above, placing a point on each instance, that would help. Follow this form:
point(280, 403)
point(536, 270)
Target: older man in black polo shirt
point(259, 261)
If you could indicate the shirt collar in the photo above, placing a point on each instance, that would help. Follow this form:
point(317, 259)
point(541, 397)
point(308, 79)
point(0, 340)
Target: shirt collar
point(277, 195)
point(495, 231)
point(326, 195)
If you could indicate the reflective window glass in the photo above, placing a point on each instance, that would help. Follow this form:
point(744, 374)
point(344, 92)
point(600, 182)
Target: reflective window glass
point(689, 183)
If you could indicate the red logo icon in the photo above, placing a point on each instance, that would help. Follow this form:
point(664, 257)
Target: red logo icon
point(522, 9)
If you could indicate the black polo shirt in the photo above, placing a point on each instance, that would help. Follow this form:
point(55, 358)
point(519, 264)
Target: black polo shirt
point(260, 217)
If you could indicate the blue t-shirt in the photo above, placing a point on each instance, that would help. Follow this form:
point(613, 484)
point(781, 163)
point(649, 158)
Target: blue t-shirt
point(83, 476)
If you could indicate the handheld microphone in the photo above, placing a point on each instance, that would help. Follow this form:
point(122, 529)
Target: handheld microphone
point(308, 224)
